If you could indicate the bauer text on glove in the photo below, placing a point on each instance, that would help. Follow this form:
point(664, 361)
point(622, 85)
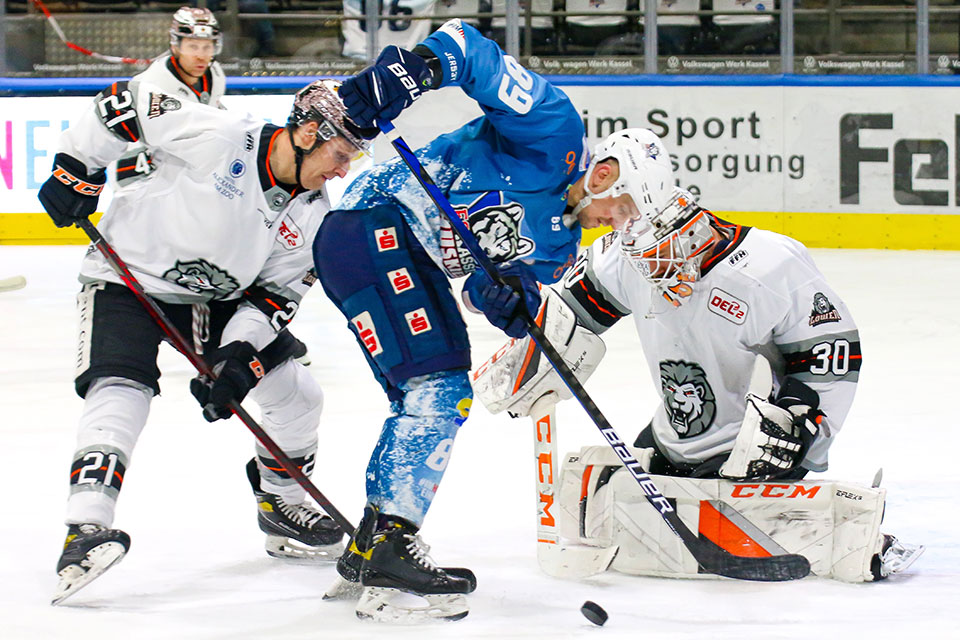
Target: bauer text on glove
point(387, 87)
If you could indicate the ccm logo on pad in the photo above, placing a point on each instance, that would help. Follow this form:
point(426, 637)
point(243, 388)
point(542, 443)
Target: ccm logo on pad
point(367, 333)
point(727, 306)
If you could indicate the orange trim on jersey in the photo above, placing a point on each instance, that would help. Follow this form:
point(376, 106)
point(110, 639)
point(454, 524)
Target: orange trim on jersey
point(176, 66)
point(596, 304)
point(266, 160)
point(738, 231)
point(718, 529)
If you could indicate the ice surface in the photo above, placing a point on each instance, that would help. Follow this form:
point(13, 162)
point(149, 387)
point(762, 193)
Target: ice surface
point(197, 568)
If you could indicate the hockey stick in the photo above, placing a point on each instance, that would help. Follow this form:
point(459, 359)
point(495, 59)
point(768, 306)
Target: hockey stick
point(711, 558)
point(554, 557)
point(121, 269)
point(12, 284)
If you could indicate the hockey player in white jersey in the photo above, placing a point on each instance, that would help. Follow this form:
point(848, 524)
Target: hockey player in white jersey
point(756, 356)
point(219, 237)
point(188, 71)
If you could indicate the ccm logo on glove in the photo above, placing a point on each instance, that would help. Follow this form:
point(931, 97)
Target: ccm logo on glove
point(80, 186)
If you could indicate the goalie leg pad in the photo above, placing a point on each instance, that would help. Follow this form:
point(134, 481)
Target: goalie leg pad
point(835, 525)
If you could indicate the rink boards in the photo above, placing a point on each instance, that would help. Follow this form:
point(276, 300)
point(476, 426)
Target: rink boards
point(858, 162)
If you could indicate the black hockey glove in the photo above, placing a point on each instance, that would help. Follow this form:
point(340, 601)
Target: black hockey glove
point(384, 89)
point(71, 193)
point(238, 369)
point(775, 437)
point(502, 305)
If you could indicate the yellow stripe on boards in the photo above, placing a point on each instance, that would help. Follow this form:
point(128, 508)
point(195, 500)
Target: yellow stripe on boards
point(847, 230)
point(828, 230)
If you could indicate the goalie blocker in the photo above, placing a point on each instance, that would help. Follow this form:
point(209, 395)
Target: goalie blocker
point(835, 525)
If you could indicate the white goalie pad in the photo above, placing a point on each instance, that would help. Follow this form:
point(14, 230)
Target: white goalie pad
point(835, 525)
point(518, 374)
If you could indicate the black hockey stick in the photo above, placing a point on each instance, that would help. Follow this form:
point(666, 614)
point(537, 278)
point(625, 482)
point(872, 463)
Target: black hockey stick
point(710, 557)
point(121, 269)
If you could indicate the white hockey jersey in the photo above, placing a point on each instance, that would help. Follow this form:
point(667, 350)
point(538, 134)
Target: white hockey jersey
point(136, 163)
point(761, 294)
point(213, 222)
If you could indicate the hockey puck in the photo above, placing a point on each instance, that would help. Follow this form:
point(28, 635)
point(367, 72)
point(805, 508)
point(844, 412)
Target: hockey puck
point(594, 613)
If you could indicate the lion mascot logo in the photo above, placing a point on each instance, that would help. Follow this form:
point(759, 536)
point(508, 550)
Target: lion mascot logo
point(201, 276)
point(687, 397)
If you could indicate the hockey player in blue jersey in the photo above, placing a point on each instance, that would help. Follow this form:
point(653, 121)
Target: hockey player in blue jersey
point(514, 175)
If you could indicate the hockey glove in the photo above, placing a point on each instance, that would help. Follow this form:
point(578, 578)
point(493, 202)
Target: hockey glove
point(504, 305)
point(238, 369)
point(774, 437)
point(384, 89)
point(71, 193)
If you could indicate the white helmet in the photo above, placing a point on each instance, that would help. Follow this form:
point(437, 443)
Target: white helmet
point(645, 171)
point(192, 22)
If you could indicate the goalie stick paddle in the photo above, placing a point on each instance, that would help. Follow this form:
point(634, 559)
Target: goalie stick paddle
point(181, 344)
point(711, 558)
point(554, 557)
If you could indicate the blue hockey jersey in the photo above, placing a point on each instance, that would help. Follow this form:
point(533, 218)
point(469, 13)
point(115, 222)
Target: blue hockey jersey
point(506, 173)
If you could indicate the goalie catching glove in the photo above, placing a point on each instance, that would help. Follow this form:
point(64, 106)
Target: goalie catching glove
point(518, 374)
point(774, 437)
point(238, 369)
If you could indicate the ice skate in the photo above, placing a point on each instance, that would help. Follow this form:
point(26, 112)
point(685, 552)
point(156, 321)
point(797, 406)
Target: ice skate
point(89, 550)
point(894, 557)
point(348, 584)
point(399, 564)
point(299, 531)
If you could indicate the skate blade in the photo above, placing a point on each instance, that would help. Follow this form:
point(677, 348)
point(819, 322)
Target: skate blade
point(399, 607)
point(289, 549)
point(902, 561)
point(343, 590)
point(76, 576)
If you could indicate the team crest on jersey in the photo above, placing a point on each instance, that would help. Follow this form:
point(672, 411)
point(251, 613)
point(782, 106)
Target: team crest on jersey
point(496, 226)
point(201, 276)
point(823, 310)
point(160, 104)
point(237, 168)
point(687, 397)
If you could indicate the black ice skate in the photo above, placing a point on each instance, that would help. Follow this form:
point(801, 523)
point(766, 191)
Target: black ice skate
point(299, 531)
point(348, 584)
point(88, 551)
point(399, 563)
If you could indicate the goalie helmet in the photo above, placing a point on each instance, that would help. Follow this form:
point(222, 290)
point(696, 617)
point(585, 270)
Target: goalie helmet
point(191, 22)
point(645, 171)
point(320, 102)
point(667, 246)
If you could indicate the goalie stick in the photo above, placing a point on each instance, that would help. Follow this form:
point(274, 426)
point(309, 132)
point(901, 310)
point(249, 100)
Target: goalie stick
point(121, 269)
point(710, 557)
point(554, 557)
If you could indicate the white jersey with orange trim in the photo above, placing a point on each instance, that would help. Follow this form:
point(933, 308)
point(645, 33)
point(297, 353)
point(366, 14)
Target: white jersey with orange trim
point(212, 221)
point(136, 164)
point(759, 294)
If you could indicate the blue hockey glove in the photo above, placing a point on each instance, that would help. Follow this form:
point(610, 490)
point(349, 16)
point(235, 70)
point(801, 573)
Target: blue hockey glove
point(71, 194)
point(238, 369)
point(384, 89)
point(502, 305)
